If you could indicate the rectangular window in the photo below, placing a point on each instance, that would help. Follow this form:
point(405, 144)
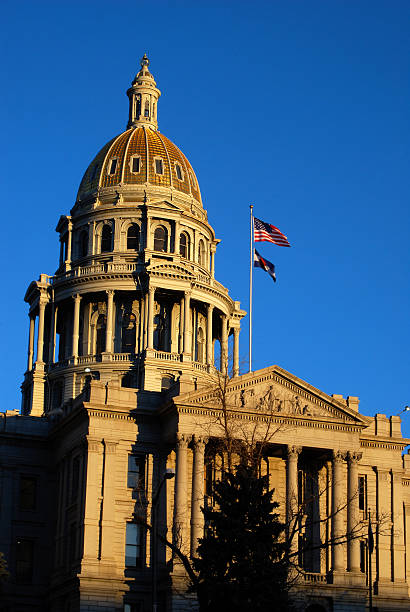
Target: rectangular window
point(159, 166)
point(363, 493)
point(27, 493)
point(135, 164)
point(24, 561)
point(75, 479)
point(132, 545)
point(136, 472)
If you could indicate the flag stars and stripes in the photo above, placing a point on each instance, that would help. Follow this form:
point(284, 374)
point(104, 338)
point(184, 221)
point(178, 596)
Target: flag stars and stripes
point(269, 233)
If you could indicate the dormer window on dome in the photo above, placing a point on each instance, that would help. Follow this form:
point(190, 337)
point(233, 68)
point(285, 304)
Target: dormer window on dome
point(178, 172)
point(135, 164)
point(159, 165)
point(112, 166)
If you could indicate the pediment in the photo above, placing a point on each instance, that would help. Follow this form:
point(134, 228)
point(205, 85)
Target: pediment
point(274, 392)
point(165, 204)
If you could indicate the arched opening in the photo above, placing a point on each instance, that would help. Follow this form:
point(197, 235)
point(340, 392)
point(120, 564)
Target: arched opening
point(133, 237)
point(146, 111)
point(128, 336)
point(100, 334)
point(62, 339)
point(217, 353)
point(184, 245)
point(83, 244)
point(201, 253)
point(161, 239)
point(106, 239)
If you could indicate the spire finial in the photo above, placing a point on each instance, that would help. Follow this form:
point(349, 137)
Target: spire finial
point(144, 60)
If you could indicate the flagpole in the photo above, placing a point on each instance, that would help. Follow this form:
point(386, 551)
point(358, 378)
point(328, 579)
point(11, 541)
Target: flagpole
point(250, 290)
point(370, 550)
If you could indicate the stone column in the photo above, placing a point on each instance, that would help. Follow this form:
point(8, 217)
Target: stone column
point(197, 499)
point(177, 231)
point(76, 324)
point(52, 340)
point(292, 499)
point(108, 330)
point(209, 345)
point(353, 519)
point(338, 503)
point(151, 299)
point(224, 345)
point(40, 339)
point(213, 249)
point(181, 492)
point(383, 549)
point(181, 326)
point(69, 242)
point(187, 323)
point(236, 351)
point(31, 342)
point(145, 322)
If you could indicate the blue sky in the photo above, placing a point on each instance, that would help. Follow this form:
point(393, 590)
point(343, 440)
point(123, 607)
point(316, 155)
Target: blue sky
point(300, 108)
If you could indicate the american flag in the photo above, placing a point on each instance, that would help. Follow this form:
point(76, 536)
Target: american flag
point(269, 233)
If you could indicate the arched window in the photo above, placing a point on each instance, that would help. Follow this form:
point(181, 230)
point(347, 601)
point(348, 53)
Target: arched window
point(184, 245)
point(83, 244)
point(201, 253)
point(133, 237)
point(200, 352)
point(106, 239)
point(100, 334)
point(161, 239)
point(146, 112)
point(129, 324)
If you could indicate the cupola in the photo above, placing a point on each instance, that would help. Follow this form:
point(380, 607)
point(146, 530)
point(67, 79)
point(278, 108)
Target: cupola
point(143, 95)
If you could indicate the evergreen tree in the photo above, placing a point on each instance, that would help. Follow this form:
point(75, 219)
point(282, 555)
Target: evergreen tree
point(241, 561)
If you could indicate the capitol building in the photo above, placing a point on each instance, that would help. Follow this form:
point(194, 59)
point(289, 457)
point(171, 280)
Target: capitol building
point(121, 413)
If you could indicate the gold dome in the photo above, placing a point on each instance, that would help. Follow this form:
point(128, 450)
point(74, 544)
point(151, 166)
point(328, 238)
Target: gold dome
point(131, 159)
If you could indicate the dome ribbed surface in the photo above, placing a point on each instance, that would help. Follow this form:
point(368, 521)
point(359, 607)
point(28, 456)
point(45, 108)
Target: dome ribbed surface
point(148, 145)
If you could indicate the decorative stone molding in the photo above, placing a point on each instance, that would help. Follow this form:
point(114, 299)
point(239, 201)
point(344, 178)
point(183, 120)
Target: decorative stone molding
point(354, 456)
point(339, 456)
point(293, 452)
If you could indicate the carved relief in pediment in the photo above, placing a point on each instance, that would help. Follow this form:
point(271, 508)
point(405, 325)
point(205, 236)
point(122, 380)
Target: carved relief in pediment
point(272, 399)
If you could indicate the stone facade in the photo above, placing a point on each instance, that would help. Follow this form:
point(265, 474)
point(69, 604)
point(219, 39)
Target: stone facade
point(123, 384)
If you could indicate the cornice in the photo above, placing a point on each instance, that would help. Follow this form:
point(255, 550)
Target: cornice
point(369, 441)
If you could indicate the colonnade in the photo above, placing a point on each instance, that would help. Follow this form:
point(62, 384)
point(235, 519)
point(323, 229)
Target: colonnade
point(340, 506)
point(147, 308)
point(187, 543)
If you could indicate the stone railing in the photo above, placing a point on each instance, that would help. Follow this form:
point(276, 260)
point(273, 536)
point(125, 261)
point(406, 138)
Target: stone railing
point(314, 577)
point(101, 268)
point(166, 356)
point(84, 360)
